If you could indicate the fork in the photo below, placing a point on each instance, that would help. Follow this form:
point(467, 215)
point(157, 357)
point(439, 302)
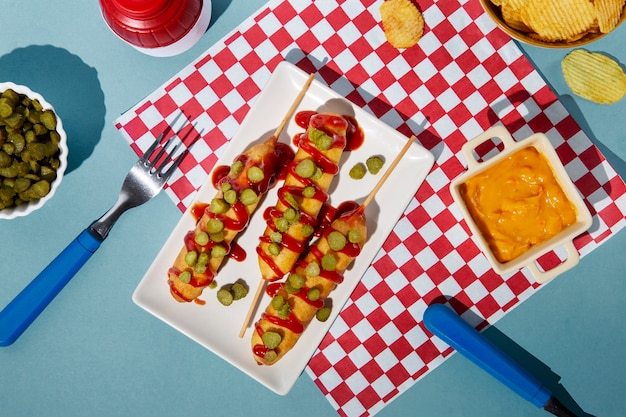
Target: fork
point(144, 181)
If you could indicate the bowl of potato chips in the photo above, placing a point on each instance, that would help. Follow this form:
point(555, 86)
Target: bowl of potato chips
point(556, 23)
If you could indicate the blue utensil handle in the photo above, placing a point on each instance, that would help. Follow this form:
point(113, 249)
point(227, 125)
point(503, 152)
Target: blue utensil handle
point(452, 329)
point(33, 299)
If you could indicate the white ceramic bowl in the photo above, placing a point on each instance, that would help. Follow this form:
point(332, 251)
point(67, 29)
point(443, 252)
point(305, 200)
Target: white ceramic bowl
point(563, 239)
point(27, 208)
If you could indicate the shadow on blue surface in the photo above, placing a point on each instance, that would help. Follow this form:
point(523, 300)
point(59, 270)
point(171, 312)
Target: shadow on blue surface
point(70, 85)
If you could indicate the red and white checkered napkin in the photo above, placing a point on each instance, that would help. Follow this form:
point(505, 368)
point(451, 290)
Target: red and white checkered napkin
point(464, 76)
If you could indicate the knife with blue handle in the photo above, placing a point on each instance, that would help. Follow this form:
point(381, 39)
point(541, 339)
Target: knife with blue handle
point(443, 322)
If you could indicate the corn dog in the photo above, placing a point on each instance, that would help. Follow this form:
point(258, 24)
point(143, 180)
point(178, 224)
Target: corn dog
point(240, 189)
point(297, 300)
point(292, 221)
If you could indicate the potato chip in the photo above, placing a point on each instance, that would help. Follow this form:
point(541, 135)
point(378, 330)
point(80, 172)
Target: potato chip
point(608, 13)
point(558, 20)
point(594, 76)
point(512, 16)
point(403, 23)
point(561, 21)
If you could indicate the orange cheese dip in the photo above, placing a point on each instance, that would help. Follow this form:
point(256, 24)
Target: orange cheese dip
point(517, 203)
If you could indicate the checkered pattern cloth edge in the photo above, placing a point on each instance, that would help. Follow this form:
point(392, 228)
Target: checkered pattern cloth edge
point(464, 76)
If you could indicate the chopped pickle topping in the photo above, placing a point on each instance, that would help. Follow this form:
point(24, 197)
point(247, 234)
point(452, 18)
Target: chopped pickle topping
point(357, 171)
point(312, 269)
point(191, 257)
point(235, 169)
point(230, 196)
point(185, 277)
point(320, 139)
point(225, 297)
point(318, 174)
point(278, 301)
point(217, 237)
point(296, 281)
point(276, 237)
point(292, 200)
point(255, 174)
point(305, 168)
point(214, 225)
point(271, 339)
point(308, 192)
point(323, 313)
point(374, 164)
point(354, 236)
point(201, 238)
point(336, 240)
point(270, 356)
point(281, 224)
point(248, 197)
point(219, 206)
point(307, 230)
point(313, 294)
point(329, 262)
point(238, 290)
point(273, 248)
point(218, 251)
point(291, 215)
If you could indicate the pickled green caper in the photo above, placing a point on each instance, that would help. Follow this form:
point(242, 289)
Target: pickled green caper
point(273, 248)
point(281, 224)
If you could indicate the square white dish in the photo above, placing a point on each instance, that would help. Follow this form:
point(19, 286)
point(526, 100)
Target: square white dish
point(215, 326)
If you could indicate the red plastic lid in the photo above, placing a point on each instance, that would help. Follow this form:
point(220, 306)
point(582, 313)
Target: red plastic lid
point(151, 23)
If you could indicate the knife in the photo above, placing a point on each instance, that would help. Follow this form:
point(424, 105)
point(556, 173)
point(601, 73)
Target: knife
point(442, 321)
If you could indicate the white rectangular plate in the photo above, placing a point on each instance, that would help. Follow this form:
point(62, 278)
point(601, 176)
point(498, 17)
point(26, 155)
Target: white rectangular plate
point(215, 326)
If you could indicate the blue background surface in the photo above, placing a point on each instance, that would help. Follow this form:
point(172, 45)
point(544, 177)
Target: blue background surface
point(93, 352)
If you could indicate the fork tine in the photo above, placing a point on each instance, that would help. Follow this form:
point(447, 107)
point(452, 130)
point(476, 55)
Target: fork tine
point(175, 162)
point(151, 149)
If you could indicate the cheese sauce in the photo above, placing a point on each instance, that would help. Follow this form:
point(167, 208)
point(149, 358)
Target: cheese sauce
point(518, 203)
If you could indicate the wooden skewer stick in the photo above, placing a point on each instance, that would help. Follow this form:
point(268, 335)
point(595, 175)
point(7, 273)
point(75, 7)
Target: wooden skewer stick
point(393, 165)
point(277, 132)
point(293, 107)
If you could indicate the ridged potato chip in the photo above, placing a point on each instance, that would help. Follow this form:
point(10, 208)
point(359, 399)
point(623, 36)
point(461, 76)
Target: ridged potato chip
point(555, 21)
point(403, 23)
point(608, 12)
point(561, 21)
point(594, 76)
